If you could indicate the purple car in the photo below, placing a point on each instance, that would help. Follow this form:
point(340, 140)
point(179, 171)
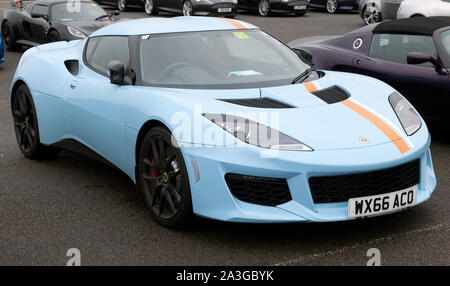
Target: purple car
point(412, 55)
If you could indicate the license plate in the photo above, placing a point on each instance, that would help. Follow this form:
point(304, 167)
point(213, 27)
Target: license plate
point(303, 7)
point(376, 205)
point(224, 10)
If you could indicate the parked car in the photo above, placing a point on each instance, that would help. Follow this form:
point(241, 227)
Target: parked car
point(222, 8)
point(123, 5)
point(420, 8)
point(375, 11)
point(333, 6)
point(44, 21)
point(267, 7)
point(2, 50)
point(214, 117)
point(412, 55)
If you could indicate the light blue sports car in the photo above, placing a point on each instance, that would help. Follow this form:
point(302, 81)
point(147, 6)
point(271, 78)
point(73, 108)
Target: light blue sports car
point(216, 118)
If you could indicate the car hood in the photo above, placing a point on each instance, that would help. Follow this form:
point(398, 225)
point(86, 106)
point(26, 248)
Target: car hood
point(311, 120)
point(88, 27)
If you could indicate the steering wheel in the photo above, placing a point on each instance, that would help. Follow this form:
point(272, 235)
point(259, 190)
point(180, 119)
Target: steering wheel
point(168, 70)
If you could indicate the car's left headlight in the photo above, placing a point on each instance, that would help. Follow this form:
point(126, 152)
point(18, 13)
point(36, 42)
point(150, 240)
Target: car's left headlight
point(255, 133)
point(407, 115)
point(74, 32)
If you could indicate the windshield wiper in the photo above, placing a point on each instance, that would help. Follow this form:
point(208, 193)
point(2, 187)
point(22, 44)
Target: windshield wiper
point(101, 17)
point(304, 75)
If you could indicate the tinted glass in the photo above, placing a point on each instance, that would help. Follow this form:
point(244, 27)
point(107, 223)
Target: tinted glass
point(76, 12)
point(222, 59)
point(101, 50)
point(39, 9)
point(445, 36)
point(395, 48)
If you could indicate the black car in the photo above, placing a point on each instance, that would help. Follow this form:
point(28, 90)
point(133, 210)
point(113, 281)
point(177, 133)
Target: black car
point(46, 21)
point(222, 8)
point(332, 6)
point(123, 5)
point(267, 7)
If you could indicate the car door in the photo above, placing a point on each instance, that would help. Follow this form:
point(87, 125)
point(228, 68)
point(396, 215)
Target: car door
point(93, 108)
point(37, 28)
point(420, 84)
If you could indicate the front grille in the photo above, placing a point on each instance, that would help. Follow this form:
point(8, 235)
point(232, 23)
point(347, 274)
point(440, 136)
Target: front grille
point(298, 3)
point(259, 190)
point(263, 102)
point(335, 189)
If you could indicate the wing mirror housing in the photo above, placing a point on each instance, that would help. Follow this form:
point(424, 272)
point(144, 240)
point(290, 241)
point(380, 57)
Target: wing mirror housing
point(116, 71)
point(304, 55)
point(17, 3)
point(420, 58)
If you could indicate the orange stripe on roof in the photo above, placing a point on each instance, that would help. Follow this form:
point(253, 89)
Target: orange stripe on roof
point(380, 124)
point(310, 86)
point(235, 23)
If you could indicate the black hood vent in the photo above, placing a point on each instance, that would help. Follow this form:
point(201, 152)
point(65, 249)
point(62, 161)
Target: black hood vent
point(332, 94)
point(263, 102)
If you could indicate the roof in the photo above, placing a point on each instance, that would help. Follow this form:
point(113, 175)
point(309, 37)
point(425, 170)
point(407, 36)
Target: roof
point(414, 26)
point(146, 26)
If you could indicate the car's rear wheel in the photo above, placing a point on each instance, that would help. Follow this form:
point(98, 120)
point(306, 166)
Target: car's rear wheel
point(122, 5)
point(188, 9)
point(371, 15)
point(150, 7)
point(264, 8)
point(163, 180)
point(8, 37)
point(332, 6)
point(26, 126)
point(54, 36)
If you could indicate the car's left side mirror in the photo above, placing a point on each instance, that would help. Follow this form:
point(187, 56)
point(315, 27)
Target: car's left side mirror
point(420, 58)
point(116, 71)
point(304, 55)
point(17, 3)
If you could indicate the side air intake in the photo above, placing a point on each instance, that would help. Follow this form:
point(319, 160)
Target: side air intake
point(332, 94)
point(259, 102)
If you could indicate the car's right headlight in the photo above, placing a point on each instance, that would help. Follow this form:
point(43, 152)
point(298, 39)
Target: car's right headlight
point(255, 133)
point(74, 32)
point(406, 113)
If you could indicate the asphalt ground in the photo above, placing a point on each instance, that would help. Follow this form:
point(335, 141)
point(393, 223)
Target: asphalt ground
point(47, 207)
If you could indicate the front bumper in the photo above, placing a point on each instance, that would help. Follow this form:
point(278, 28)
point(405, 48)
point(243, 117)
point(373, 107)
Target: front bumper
point(212, 199)
point(213, 10)
point(289, 6)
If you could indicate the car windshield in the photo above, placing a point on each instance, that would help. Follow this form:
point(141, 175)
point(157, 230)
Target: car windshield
point(446, 41)
point(218, 59)
point(76, 11)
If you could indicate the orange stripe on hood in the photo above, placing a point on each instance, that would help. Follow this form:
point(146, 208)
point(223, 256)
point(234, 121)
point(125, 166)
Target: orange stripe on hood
point(310, 86)
point(235, 23)
point(380, 124)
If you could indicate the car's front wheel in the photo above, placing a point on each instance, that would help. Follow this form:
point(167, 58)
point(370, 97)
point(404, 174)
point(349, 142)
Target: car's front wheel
point(371, 15)
point(163, 180)
point(150, 7)
point(122, 5)
point(8, 37)
point(264, 8)
point(332, 6)
point(188, 9)
point(26, 126)
point(54, 36)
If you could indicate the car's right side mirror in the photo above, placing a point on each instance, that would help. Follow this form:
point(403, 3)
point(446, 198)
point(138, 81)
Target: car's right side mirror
point(304, 55)
point(116, 71)
point(421, 58)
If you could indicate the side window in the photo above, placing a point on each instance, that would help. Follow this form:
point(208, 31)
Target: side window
point(40, 9)
point(101, 50)
point(395, 48)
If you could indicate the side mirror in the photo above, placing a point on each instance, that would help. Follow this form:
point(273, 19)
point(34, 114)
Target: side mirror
point(116, 72)
point(420, 58)
point(17, 3)
point(304, 55)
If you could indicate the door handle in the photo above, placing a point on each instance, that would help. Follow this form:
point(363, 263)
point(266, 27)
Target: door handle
point(73, 84)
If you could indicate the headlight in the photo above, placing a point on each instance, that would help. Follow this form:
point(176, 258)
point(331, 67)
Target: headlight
point(255, 133)
point(408, 117)
point(74, 32)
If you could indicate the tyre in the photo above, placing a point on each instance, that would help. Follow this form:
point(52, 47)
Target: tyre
point(54, 36)
point(150, 7)
point(162, 178)
point(122, 5)
point(9, 37)
point(332, 6)
point(371, 15)
point(188, 9)
point(26, 126)
point(264, 8)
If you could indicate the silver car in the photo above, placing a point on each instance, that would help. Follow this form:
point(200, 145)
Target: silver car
point(374, 11)
point(420, 8)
